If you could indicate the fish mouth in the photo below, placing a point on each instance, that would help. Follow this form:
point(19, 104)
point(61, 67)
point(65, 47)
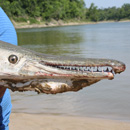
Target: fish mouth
point(43, 69)
point(85, 71)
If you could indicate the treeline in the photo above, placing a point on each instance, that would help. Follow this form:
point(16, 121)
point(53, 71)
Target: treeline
point(21, 10)
point(113, 13)
point(46, 9)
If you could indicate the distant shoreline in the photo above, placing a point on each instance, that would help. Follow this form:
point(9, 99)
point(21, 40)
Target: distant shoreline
point(58, 24)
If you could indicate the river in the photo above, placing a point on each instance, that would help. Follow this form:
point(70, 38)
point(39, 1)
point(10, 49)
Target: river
point(109, 99)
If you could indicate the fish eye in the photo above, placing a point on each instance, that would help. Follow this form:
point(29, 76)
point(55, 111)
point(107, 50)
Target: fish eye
point(13, 59)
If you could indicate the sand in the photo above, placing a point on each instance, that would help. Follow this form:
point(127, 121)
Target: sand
point(20, 121)
point(55, 23)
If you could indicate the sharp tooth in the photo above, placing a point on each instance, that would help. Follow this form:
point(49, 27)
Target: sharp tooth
point(104, 69)
point(109, 68)
point(100, 69)
point(94, 69)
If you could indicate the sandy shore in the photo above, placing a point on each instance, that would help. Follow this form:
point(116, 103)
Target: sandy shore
point(41, 25)
point(57, 23)
point(20, 121)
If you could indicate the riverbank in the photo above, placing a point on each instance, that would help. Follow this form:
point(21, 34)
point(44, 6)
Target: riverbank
point(20, 121)
point(54, 23)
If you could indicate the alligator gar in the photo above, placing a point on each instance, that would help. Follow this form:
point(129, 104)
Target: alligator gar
point(25, 70)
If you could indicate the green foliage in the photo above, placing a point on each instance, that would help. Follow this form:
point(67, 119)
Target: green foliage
point(47, 9)
point(126, 11)
point(19, 19)
point(32, 20)
point(30, 10)
point(113, 13)
point(92, 13)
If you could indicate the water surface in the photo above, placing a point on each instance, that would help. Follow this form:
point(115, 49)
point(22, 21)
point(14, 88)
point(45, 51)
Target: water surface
point(106, 99)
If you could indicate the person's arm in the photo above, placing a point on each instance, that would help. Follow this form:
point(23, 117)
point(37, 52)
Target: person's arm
point(7, 34)
point(7, 30)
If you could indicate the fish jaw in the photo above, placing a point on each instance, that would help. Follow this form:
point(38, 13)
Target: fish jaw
point(75, 70)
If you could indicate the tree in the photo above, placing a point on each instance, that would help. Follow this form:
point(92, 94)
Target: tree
point(126, 11)
point(92, 13)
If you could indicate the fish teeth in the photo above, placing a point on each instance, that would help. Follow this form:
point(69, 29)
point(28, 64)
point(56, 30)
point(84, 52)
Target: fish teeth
point(86, 68)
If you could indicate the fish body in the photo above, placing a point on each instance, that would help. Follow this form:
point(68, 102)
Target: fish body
point(24, 70)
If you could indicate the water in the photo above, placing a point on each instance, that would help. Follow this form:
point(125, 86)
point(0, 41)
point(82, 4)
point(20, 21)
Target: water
point(108, 99)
